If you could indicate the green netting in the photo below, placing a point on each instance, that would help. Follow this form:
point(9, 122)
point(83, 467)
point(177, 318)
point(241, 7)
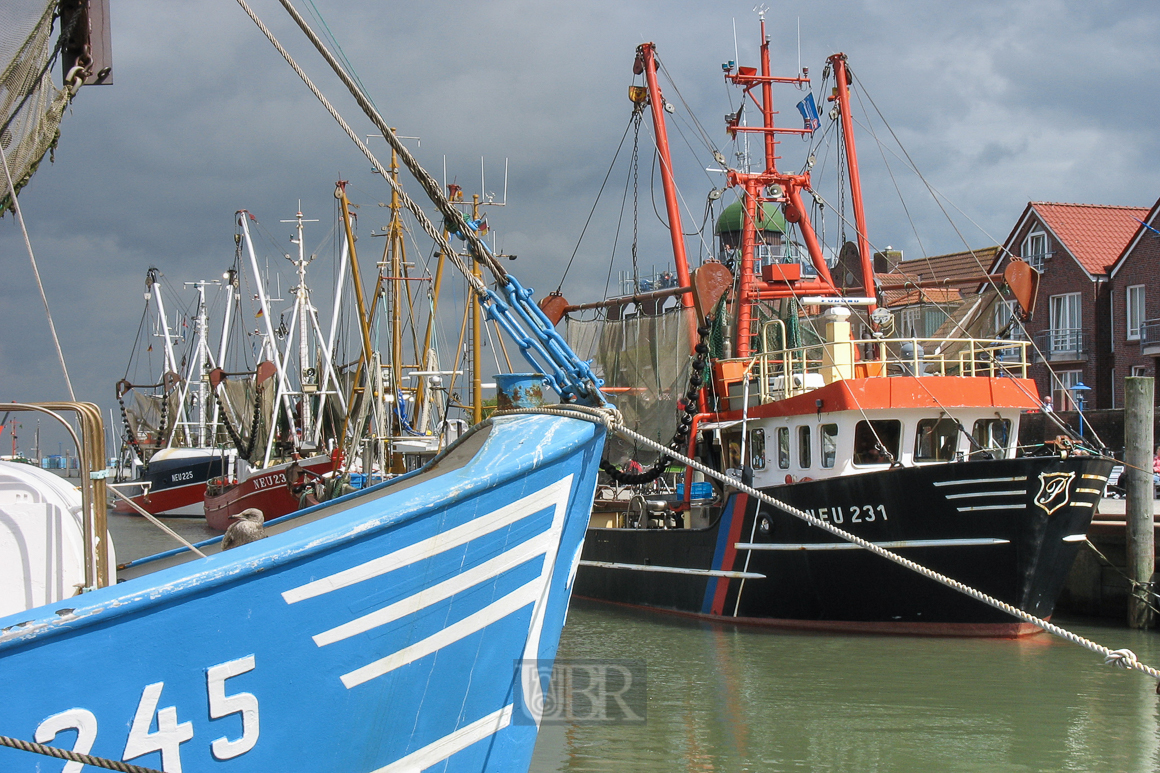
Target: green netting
point(645, 363)
point(31, 108)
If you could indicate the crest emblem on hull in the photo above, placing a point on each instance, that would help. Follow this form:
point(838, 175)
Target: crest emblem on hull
point(1054, 490)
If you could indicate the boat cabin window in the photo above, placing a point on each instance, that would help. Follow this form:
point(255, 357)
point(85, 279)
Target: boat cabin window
point(992, 437)
point(936, 440)
point(876, 442)
point(757, 449)
point(804, 447)
point(783, 447)
point(829, 438)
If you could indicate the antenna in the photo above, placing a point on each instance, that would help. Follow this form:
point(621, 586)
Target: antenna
point(505, 179)
point(799, 33)
point(736, 56)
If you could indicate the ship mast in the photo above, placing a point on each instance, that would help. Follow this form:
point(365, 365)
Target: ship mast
point(770, 185)
point(646, 63)
point(842, 97)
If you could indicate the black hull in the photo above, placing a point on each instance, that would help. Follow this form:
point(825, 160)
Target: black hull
point(1010, 528)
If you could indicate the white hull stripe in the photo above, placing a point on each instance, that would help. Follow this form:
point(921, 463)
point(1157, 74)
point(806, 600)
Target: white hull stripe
point(554, 494)
point(1006, 493)
point(975, 508)
point(895, 545)
point(477, 621)
point(1014, 479)
point(520, 554)
point(436, 752)
point(675, 570)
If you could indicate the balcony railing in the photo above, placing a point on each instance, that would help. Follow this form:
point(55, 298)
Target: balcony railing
point(1150, 337)
point(1064, 344)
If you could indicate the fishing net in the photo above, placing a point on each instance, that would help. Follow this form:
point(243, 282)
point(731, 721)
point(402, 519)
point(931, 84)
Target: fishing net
point(645, 363)
point(31, 107)
point(152, 418)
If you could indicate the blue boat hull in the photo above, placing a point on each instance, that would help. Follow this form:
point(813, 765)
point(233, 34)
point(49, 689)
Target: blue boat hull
point(395, 629)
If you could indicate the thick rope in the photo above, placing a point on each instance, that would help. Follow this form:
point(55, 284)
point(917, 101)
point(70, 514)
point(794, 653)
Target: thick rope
point(65, 754)
point(436, 234)
point(1123, 658)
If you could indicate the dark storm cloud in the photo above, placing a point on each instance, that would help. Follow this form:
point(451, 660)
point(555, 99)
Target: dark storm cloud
point(997, 102)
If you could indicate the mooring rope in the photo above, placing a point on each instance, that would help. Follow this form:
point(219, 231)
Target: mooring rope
point(65, 754)
point(610, 418)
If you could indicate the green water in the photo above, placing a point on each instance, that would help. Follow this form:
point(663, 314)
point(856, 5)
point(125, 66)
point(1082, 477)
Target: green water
point(723, 698)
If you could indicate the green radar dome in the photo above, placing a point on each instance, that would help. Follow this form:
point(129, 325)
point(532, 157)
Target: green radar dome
point(772, 218)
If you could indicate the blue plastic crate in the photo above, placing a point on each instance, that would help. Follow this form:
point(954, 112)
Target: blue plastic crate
point(701, 490)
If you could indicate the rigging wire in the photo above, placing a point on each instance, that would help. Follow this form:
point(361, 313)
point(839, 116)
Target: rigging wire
point(938, 200)
point(607, 174)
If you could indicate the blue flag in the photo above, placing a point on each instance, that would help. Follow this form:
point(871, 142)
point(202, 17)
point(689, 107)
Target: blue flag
point(809, 110)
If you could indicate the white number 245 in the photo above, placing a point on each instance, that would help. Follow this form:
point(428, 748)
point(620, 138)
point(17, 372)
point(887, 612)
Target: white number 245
point(170, 734)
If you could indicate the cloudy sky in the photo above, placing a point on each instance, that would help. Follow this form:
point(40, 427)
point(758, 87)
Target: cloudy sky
point(998, 103)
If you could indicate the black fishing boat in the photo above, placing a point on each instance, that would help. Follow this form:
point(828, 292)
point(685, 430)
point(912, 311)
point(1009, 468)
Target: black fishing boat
point(909, 443)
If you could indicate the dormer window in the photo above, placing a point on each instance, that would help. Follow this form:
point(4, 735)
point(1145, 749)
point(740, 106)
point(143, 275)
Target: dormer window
point(1035, 250)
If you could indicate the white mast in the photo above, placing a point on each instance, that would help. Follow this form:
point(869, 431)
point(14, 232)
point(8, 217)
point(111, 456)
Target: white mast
point(283, 383)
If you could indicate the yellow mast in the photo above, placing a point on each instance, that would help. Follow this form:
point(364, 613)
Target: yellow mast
point(360, 301)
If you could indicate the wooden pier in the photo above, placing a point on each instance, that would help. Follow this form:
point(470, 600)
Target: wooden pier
point(1098, 583)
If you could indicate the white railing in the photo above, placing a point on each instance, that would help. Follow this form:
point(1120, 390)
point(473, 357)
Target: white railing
point(786, 372)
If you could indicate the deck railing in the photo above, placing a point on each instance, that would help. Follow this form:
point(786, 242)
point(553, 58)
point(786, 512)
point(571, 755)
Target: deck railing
point(1150, 337)
point(786, 372)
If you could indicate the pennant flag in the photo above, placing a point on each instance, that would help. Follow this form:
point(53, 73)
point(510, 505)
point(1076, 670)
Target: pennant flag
point(1150, 228)
point(259, 314)
point(809, 110)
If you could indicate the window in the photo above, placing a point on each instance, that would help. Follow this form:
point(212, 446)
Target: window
point(1035, 250)
point(991, 437)
point(829, 438)
point(1066, 332)
point(783, 447)
point(757, 449)
point(936, 440)
point(876, 442)
point(1135, 297)
point(1139, 370)
point(804, 447)
point(1061, 392)
point(908, 320)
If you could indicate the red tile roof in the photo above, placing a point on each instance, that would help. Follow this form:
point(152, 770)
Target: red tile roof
point(939, 295)
point(942, 278)
point(957, 269)
point(1095, 234)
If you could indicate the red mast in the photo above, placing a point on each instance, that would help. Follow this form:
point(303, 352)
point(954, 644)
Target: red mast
point(770, 185)
point(646, 62)
point(842, 97)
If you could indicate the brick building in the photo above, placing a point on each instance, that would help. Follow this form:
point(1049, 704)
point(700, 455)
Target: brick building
point(925, 292)
point(1075, 247)
point(1135, 306)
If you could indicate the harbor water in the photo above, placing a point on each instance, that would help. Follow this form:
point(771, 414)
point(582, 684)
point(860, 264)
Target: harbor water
point(739, 698)
point(728, 698)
